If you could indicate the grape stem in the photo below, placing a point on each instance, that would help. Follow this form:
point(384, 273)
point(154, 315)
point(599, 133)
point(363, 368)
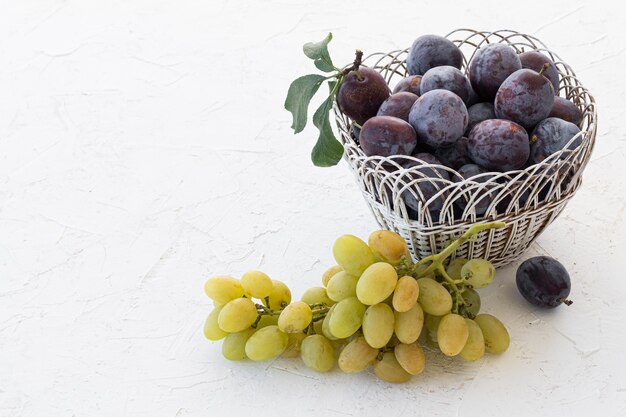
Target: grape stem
point(437, 260)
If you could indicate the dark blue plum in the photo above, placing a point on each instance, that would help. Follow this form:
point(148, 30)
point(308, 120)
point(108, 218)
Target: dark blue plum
point(398, 105)
point(428, 188)
point(550, 136)
point(535, 61)
point(455, 155)
point(410, 84)
point(566, 110)
point(387, 136)
point(439, 117)
point(478, 113)
point(446, 78)
point(429, 51)
point(474, 173)
point(544, 282)
point(490, 66)
point(525, 97)
point(499, 145)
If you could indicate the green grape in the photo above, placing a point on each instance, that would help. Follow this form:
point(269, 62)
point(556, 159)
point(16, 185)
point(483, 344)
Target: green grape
point(234, 346)
point(454, 267)
point(295, 317)
point(420, 272)
point(352, 254)
point(237, 315)
point(326, 324)
point(433, 297)
point(257, 284)
point(267, 320)
point(266, 343)
point(378, 325)
point(410, 357)
point(212, 330)
point(222, 289)
point(452, 334)
point(280, 295)
point(478, 272)
point(376, 283)
point(357, 356)
point(294, 345)
point(405, 294)
point(346, 318)
point(342, 285)
point(472, 301)
point(474, 348)
point(318, 353)
point(432, 323)
point(330, 272)
point(317, 295)
point(496, 336)
point(388, 246)
point(408, 325)
point(339, 344)
point(389, 369)
point(318, 327)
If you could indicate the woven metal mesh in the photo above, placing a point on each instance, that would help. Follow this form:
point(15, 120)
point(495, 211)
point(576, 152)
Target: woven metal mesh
point(527, 200)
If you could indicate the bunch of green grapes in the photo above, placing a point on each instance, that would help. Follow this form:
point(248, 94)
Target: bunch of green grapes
point(376, 308)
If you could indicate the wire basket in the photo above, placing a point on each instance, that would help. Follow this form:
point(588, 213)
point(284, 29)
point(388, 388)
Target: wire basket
point(527, 200)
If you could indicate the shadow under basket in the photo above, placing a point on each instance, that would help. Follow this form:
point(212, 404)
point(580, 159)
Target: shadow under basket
point(429, 205)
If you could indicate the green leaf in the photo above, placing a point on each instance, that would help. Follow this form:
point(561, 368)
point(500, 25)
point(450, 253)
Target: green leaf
point(299, 96)
point(318, 52)
point(328, 150)
point(315, 50)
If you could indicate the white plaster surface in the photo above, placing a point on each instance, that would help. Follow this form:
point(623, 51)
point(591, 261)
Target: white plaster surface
point(144, 147)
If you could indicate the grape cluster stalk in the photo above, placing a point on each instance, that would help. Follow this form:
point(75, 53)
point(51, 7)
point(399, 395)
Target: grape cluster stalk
point(376, 307)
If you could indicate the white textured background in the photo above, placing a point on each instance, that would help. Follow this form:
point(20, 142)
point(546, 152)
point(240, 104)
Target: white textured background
point(144, 147)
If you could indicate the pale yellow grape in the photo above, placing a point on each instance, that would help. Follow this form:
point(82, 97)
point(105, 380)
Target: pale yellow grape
point(454, 267)
point(326, 324)
point(474, 348)
point(294, 345)
point(376, 283)
point(212, 330)
point(342, 285)
point(478, 273)
point(433, 297)
point(410, 357)
point(390, 370)
point(378, 325)
point(280, 295)
point(388, 246)
point(346, 318)
point(405, 294)
point(496, 336)
point(257, 284)
point(237, 315)
point(222, 289)
point(266, 343)
point(234, 345)
point(452, 334)
point(408, 325)
point(338, 344)
point(295, 317)
point(318, 353)
point(352, 254)
point(357, 356)
point(267, 320)
point(329, 273)
point(317, 295)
